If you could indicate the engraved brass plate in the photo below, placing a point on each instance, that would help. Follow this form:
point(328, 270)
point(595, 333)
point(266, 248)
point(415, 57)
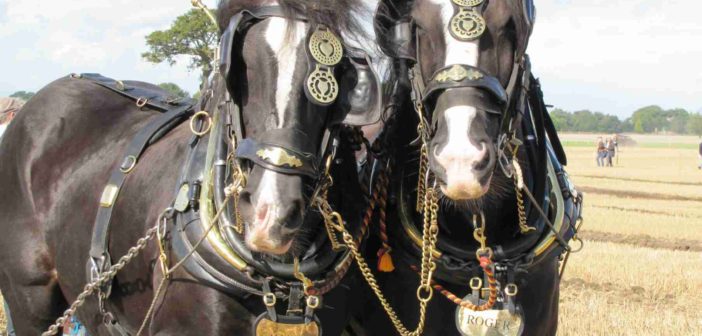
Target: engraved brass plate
point(266, 327)
point(467, 25)
point(458, 73)
point(325, 47)
point(468, 3)
point(322, 86)
point(109, 195)
point(488, 323)
point(181, 202)
point(279, 157)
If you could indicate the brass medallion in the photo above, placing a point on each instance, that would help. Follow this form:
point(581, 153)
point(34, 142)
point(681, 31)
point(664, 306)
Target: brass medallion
point(467, 25)
point(325, 47)
point(279, 157)
point(468, 3)
point(322, 86)
point(266, 327)
point(458, 73)
point(494, 322)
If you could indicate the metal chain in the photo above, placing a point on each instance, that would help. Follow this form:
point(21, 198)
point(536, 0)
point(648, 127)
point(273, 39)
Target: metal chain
point(518, 175)
point(102, 280)
point(425, 291)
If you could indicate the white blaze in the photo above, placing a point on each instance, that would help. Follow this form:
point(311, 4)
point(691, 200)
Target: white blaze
point(459, 153)
point(285, 57)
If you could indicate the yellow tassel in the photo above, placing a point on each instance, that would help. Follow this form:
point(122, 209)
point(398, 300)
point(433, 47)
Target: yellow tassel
point(385, 263)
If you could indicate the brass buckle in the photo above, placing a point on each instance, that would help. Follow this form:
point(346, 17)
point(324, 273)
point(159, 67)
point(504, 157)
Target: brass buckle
point(476, 283)
point(128, 164)
point(269, 299)
point(511, 289)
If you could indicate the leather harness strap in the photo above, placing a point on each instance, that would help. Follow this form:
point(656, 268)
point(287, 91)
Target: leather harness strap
point(99, 252)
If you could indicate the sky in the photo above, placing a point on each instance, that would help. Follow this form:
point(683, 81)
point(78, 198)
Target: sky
point(611, 56)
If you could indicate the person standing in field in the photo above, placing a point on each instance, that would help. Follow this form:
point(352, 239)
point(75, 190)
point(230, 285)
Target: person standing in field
point(601, 152)
point(8, 109)
point(611, 149)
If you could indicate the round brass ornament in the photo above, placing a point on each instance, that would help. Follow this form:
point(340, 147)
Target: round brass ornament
point(468, 3)
point(325, 47)
point(322, 86)
point(467, 25)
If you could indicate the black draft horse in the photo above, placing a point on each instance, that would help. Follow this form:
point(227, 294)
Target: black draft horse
point(484, 132)
point(59, 153)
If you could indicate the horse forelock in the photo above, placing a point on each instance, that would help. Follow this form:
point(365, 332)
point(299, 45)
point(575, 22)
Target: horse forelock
point(331, 13)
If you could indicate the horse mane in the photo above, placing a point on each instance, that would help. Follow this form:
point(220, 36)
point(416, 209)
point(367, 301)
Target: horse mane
point(331, 13)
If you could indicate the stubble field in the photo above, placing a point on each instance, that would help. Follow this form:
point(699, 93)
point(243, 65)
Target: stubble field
point(640, 272)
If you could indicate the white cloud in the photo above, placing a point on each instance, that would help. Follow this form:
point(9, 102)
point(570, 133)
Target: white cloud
point(54, 38)
point(635, 52)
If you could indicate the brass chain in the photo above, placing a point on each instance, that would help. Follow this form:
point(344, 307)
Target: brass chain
point(421, 179)
point(524, 227)
point(425, 291)
point(104, 277)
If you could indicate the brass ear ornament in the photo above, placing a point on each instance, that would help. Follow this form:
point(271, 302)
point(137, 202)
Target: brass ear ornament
point(326, 51)
point(468, 3)
point(322, 85)
point(467, 25)
point(326, 47)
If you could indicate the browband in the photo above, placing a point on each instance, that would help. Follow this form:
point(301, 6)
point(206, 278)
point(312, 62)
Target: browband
point(463, 75)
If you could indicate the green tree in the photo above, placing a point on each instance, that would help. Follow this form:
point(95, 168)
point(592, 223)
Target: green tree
point(24, 95)
point(562, 120)
point(694, 124)
point(191, 34)
point(650, 119)
point(677, 120)
point(175, 90)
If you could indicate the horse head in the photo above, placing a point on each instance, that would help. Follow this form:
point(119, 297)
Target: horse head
point(469, 53)
point(286, 69)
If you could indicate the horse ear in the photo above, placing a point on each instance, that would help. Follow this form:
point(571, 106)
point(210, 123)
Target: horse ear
point(360, 98)
point(528, 18)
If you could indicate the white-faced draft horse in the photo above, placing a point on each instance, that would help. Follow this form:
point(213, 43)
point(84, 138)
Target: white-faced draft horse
point(218, 222)
point(480, 213)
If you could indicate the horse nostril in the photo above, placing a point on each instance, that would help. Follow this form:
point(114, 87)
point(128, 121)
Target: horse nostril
point(483, 157)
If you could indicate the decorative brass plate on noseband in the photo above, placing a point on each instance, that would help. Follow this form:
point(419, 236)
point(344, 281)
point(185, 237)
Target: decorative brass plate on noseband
point(322, 85)
point(325, 47)
point(279, 157)
point(467, 25)
point(267, 327)
point(458, 73)
point(468, 3)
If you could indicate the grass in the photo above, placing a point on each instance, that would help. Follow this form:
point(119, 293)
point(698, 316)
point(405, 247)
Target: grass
point(620, 288)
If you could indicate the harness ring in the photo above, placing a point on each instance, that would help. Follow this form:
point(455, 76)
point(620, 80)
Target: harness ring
point(207, 118)
point(141, 102)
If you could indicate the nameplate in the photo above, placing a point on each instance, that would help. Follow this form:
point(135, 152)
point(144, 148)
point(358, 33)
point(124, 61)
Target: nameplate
point(488, 323)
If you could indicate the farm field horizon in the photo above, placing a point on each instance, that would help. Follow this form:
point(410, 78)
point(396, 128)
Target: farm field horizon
point(640, 272)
